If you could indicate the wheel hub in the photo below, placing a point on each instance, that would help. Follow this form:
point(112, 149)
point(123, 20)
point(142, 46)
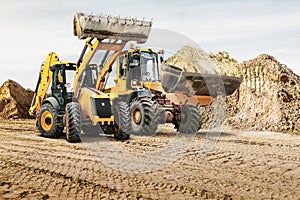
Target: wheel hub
point(137, 116)
point(47, 120)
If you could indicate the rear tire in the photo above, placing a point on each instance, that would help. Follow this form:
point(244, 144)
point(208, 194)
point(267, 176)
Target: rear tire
point(144, 114)
point(190, 120)
point(200, 112)
point(73, 122)
point(47, 121)
point(122, 120)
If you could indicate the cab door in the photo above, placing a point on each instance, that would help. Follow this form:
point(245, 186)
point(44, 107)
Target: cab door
point(122, 71)
point(134, 78)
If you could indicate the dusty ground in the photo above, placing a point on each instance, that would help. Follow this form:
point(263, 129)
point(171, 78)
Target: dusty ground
point(240, 166)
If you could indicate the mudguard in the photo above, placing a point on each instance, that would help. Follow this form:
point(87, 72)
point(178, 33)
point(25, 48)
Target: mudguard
point(53, 102)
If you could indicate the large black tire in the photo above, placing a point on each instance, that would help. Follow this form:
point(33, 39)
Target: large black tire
point(73, 122)
point(122, 120)
point(47, 121)
point(145, 117)
point(190, 120)
point(200, 113)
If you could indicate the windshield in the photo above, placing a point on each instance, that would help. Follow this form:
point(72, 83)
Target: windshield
point(70, 80)
point(149, 66)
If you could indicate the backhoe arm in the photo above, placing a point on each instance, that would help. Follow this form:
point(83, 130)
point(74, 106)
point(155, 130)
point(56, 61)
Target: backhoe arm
point(43, 83)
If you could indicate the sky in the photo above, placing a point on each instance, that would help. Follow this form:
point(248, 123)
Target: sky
point(30, 29)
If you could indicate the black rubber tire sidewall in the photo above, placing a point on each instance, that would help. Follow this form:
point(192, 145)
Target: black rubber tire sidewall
point(73, 122)
point(54, 132)
point(190, 120)
point(149, 119)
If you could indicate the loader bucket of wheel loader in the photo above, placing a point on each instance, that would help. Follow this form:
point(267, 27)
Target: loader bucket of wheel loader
point(109, 27)
point(175, 80)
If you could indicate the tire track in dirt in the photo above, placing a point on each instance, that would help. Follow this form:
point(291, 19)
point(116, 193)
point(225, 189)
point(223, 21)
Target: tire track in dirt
point(19, 154)
point(239, 167)
point(250, 168)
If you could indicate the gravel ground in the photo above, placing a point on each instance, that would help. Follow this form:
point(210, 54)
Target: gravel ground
point(241, 165)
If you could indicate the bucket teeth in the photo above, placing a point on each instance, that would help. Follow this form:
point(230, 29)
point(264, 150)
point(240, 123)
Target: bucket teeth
point(110, 27)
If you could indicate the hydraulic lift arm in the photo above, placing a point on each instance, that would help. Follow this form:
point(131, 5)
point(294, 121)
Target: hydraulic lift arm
point(105, 33)
point(43, 83)
point(107, 68)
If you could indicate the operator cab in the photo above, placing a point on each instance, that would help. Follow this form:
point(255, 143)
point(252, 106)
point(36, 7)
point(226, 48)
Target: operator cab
point(62, 81)
point(138, 66)
point(150, 66)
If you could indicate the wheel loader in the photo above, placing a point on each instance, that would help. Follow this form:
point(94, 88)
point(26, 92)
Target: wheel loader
point(158, 93)
point(155, 92)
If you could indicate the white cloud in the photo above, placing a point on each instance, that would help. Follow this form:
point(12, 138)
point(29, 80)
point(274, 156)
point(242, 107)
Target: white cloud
point(284, 50)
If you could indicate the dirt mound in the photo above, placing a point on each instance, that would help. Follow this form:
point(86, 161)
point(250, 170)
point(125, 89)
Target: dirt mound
point(14, 100)
point(192, 59)
point(268, 98)
point(226, 65)
point(213, 116)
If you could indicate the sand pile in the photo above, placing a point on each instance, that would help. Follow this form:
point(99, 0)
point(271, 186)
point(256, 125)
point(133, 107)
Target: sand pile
point(268, 98)
point(14, 101)
point(230, 67)
point(226, 65)
point(192, 59)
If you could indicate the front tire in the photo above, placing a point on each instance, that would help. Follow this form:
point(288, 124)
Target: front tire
point(73, 122)
point(122, 120)
point(190, 119)
point(200, 112)
point(47, 121)
point(144, 114)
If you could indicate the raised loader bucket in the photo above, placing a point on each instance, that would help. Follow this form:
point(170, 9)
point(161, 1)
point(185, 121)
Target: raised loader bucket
point(109, 27)
point(175, 80)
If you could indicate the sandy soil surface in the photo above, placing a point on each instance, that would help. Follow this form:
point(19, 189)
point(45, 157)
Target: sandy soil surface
point(242, 165)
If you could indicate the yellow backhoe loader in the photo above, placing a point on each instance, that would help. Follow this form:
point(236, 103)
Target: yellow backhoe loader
point(50, 111)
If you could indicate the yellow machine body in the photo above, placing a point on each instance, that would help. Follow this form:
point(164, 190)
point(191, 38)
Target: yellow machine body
point(96, 106)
